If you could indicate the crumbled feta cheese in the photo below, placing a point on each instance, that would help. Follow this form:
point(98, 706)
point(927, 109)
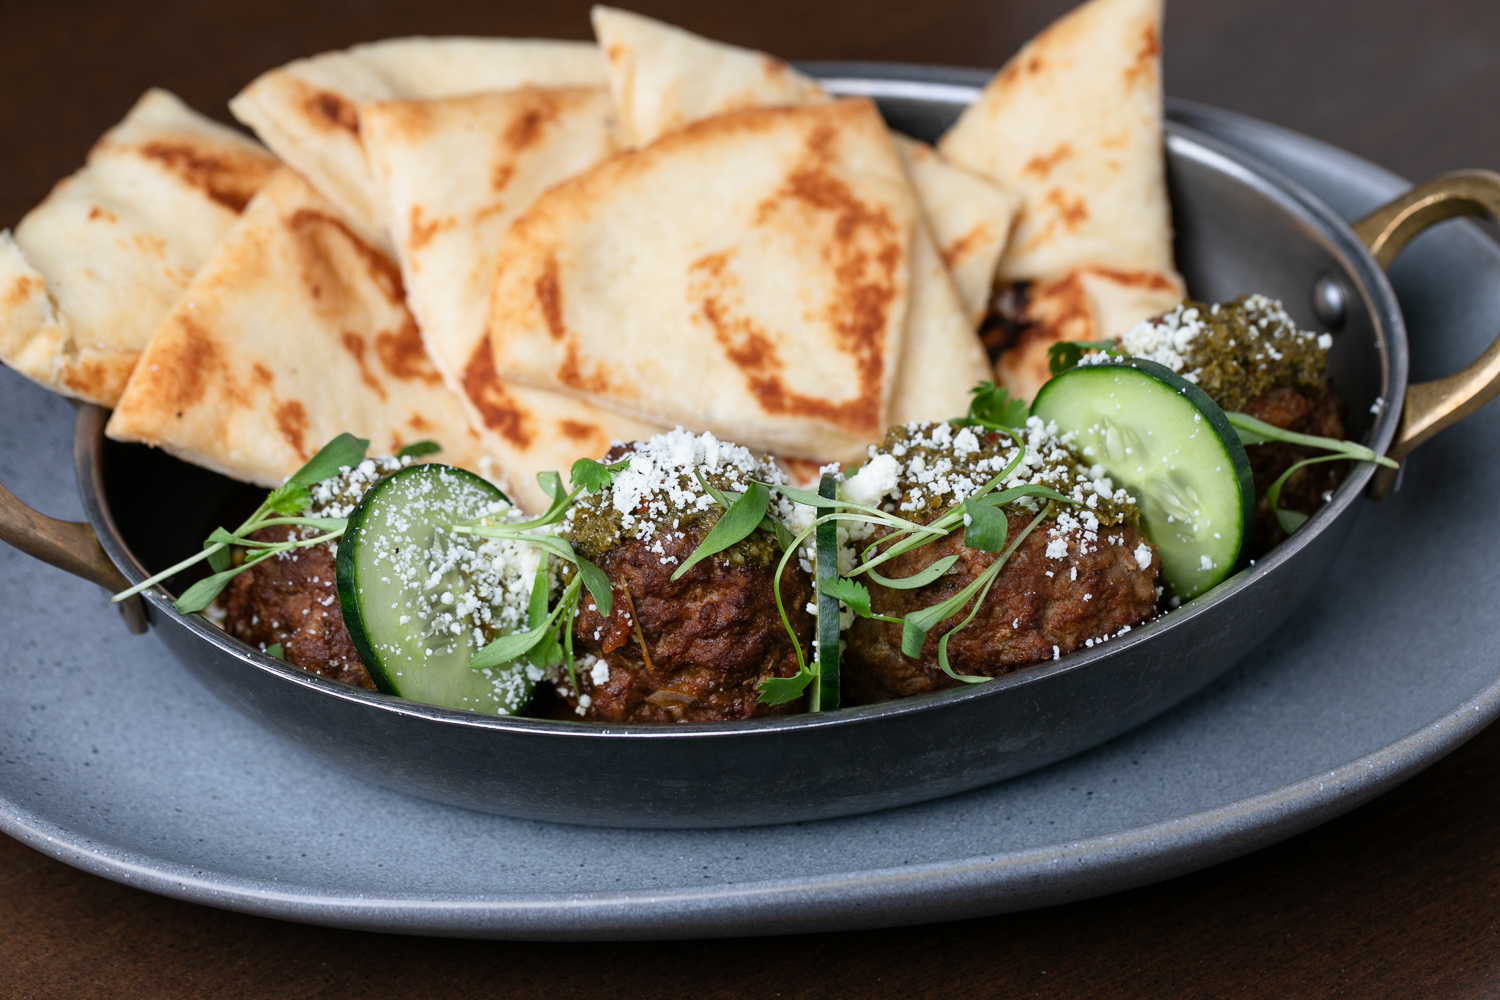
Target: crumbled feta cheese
point(600, 673)
point(875, 480)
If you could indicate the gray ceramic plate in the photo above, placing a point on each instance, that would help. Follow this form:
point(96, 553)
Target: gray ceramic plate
point(112, 758)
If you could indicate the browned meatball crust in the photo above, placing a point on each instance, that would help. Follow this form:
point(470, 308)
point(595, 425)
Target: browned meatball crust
point(711, 637)
point(291, 600)
point(1289, 408)
point(1038, 608)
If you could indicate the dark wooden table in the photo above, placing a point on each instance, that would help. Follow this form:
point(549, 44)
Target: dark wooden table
point(1401, 897)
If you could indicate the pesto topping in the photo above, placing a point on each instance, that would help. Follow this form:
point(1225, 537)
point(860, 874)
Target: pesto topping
point(338, 495)
point(657, 494)
point(1234, 351)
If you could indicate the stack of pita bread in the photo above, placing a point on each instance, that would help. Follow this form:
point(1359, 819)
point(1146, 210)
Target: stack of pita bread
point(526, 250)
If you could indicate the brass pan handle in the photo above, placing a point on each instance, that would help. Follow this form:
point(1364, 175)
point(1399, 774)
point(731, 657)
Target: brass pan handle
point(69, 545)
point(1431, 406)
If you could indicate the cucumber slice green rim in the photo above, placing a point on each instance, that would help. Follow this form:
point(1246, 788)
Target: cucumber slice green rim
point(1171, 447)
point(825, 689)
point(414, 594)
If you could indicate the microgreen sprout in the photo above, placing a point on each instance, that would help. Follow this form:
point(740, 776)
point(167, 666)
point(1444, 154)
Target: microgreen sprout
point(417, 449)
point(1253, 431)
point(282, 506)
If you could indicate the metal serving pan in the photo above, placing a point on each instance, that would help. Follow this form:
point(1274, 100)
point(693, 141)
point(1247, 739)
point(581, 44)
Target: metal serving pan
point(1240, 228)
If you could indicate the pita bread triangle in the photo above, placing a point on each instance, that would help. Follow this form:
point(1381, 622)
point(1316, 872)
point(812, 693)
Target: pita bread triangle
point(453, 174)
point(307, 110)
point(663, 78)
point(293, 332)
point(747, 275)
point(1074, 123)
point(969, 216)
point(91, 271)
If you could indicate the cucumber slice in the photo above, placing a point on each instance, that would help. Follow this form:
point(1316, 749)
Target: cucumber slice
point(413, 593)
point(1172, 448)
point(825, 693)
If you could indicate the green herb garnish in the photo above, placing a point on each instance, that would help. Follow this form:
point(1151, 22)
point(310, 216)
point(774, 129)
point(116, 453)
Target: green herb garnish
point(418, 449)
point(993, 408)
point(1253, 431)
point(595, 477)
point(282, 506)
point(735, 525)
point(517, 644)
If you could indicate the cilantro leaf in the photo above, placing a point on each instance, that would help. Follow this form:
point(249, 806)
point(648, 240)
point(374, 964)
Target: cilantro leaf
point(344, 451)
point(596, 477)
point(853, 593)
point(992, 407)
point(290, 499)
point(419, 448)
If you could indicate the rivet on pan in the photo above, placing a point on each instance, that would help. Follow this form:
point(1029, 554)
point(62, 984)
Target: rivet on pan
point(1330, 303)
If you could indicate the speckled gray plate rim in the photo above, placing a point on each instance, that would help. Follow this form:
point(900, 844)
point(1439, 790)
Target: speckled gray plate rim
point(907, 895)
point(1394, 663)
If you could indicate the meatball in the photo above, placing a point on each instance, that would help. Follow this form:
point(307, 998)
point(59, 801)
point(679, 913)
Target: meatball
point(1039, 608)
point(1306, 490)
point(695, 649)
point(1083, 574)
point(1248, 355)
point(711, 637)
point(290, 599)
